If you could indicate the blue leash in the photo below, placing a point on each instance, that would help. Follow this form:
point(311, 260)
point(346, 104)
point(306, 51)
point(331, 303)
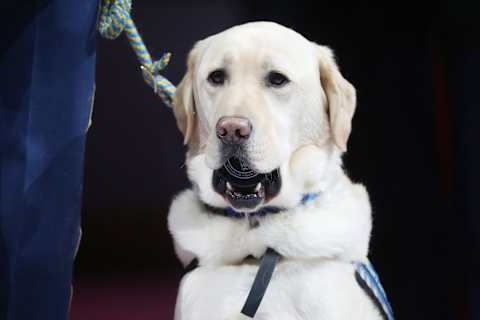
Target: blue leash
point(115, 17)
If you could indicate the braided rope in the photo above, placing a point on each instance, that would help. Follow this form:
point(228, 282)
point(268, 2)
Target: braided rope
point(115, 17)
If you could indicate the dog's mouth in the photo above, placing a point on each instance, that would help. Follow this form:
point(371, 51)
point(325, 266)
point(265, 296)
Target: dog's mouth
point(243, 187)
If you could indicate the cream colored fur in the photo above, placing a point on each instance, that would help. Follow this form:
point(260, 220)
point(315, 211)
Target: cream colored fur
point(302, 129)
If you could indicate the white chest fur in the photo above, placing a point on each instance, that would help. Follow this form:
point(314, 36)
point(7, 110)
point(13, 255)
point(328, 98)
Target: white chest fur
point(300, 290)
point(315, 279)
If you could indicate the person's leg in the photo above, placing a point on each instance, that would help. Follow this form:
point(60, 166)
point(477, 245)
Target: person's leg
point(46, 94)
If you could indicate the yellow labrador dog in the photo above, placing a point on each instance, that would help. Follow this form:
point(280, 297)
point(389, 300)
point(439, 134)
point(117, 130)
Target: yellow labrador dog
point(266, 115)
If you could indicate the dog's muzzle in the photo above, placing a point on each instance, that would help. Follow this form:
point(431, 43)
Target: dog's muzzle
point(243, 187)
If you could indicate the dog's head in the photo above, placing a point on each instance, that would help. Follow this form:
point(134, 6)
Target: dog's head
point(266, 115)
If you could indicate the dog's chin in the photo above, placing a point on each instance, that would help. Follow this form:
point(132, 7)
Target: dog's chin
point(244, 188)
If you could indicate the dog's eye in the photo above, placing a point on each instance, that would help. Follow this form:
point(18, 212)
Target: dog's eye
point(217, 77)
point(276, 79)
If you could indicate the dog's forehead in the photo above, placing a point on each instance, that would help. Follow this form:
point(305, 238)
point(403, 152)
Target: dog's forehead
point(268, 41)
point(269, 33)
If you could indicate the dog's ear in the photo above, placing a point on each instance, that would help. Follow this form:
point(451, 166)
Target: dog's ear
point(183, 102)
point(340, 95)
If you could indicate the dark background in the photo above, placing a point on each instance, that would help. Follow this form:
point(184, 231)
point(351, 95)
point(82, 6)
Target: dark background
point(414, 145)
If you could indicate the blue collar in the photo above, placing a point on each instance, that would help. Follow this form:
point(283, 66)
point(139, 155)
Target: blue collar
point(232, 213)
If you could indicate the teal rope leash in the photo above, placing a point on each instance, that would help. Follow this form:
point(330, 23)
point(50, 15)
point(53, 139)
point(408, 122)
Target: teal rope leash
point(115, 17)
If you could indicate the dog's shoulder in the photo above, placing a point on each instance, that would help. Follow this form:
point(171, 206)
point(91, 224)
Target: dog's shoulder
point(197, 233)
point(337, 224)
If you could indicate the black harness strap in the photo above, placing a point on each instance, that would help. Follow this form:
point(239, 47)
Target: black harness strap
point(191, 266)
point(260, 284)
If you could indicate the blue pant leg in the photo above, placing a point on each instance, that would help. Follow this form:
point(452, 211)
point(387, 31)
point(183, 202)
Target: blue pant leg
point(46, 94)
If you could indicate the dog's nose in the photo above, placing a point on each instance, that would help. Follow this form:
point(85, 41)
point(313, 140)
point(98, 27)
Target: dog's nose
point(233, 130)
